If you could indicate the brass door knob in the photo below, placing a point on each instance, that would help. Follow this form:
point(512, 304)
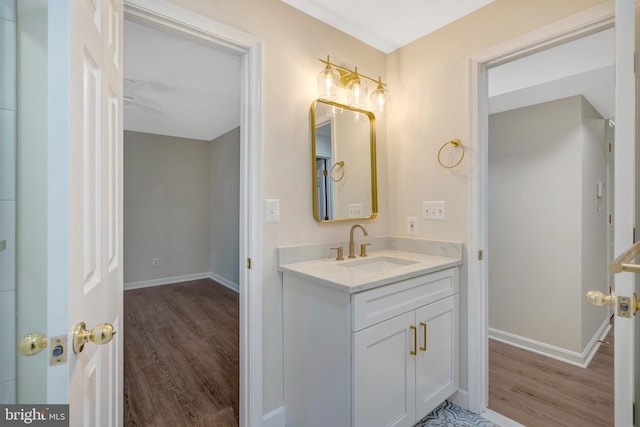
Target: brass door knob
point(597, 298)
point(101, 334)
point(32, 343)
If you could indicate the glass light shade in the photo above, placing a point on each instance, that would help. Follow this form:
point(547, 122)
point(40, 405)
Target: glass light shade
point(380, 99)
point(357, 92)
point(328, 83)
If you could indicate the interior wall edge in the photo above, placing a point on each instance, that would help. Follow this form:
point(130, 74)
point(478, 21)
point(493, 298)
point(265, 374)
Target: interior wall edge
point(571, 357)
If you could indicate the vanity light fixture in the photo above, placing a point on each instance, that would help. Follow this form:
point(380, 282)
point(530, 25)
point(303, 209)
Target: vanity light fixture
point(333, 76)
point(328, 82)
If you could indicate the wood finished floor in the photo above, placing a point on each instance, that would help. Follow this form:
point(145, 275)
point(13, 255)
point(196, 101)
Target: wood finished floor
point(538, 391)
point(181, 355)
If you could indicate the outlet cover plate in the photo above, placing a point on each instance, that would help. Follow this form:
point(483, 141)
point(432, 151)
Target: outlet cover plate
point(412, 225)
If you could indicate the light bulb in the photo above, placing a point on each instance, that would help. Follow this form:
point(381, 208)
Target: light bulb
point(357, 92)
point(380, 98)
point(327, 83)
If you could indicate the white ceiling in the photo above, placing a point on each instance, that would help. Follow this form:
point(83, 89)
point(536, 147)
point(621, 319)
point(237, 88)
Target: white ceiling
point(582, 67)
point(192, 90)
point(387, 25)
point(183, 88)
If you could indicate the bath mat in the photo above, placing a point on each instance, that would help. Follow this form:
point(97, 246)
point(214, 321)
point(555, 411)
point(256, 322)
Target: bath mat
point(451, 415)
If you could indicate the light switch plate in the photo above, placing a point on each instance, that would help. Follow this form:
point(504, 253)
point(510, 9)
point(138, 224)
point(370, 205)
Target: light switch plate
point(355, 210)
point(436, 210)
point(272, 210)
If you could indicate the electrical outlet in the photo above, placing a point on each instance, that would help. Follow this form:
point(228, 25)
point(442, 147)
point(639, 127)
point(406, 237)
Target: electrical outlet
point(434, 211)
point(155, 262)
point(412, 225)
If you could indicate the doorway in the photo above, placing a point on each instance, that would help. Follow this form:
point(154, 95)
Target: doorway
point(573, 28)
point(182, 138)
point(547, 233)
point(54, 383)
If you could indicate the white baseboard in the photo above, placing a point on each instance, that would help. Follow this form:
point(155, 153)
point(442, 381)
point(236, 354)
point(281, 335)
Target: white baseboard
point(460, 398)
point(573, 358)
point(500, 419)
point(274, 418)
point(166, 280)
point(228, 283)
point(185, 278)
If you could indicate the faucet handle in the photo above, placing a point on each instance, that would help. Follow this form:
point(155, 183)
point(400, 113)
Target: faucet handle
point(363, 249)
point(339, 254)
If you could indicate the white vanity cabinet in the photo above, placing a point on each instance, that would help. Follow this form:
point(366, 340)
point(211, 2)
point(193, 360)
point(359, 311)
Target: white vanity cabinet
point(385, 356)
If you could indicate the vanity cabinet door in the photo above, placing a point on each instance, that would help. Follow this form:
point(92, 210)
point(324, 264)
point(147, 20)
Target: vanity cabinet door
point(384, 374)
point(437, 358)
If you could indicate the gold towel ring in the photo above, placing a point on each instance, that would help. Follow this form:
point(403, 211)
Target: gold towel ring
point(341, 164)
point(454, 143)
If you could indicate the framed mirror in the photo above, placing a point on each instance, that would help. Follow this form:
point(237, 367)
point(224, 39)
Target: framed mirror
point(343, 141)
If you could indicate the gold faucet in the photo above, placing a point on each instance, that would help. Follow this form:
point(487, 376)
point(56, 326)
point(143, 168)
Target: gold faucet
point(352, 250)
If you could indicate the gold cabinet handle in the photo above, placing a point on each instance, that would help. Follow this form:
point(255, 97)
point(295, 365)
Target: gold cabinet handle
point(424, 336)
point(415, 344)
point(32, 343)
point(101, 334)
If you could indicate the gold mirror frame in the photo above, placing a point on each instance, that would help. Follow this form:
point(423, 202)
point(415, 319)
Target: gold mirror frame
point(337, 169)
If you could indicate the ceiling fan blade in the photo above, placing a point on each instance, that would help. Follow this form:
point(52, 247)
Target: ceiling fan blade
point(148, 109)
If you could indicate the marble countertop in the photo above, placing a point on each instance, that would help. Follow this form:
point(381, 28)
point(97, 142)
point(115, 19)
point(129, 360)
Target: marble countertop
point(336, 274)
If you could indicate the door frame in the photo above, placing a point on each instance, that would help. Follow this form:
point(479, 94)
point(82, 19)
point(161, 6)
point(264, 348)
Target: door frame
point(166, 16)
point(584, 23)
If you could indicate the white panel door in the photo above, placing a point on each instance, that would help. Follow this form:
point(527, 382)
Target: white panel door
point(624, 217)
point(437, 358)
point(384, 374)
point(85, 201)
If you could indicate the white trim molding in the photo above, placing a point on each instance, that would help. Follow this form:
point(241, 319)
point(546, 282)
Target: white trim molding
point(581, 360)
point(184, 278)
point(587, 22)
point(166, 281)
point(274, 418)
point(500, 419)
point(225, 282)
point(167, 16)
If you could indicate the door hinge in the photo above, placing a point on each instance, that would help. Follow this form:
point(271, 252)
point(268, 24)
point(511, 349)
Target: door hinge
point(480, 255)
point(249, 263)
point(325, 172)
point(609, 147)
point(610, 219)
point(634, 413)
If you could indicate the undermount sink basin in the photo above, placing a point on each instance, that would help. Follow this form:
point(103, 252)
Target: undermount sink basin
point(378, 264)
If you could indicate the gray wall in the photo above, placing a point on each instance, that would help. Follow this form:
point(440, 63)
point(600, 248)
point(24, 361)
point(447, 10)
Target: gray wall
point(225, 202)
point(181, 204)
point(547, 240)
point(166, 207)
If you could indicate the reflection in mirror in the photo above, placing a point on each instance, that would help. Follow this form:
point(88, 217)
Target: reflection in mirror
point(344, 162)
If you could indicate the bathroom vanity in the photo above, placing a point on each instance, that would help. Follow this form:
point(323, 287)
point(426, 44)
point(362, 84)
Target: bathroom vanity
point(370, 341)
